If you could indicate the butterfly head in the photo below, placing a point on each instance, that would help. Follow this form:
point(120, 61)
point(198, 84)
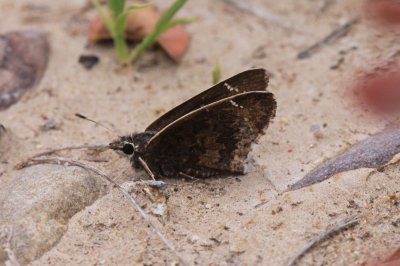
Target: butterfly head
point(126, 144)
point(132, 145)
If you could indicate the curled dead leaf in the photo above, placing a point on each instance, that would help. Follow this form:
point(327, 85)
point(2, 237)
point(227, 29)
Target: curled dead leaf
point(373, 152)
point(139, 24)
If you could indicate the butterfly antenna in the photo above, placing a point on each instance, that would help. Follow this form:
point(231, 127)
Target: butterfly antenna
point(93, 121)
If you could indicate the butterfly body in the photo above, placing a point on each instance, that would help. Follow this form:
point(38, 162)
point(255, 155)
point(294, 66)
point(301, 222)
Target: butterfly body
point(134, 146)
point(210, 134)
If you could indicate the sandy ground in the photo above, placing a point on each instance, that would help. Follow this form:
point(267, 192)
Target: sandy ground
point(216, 223)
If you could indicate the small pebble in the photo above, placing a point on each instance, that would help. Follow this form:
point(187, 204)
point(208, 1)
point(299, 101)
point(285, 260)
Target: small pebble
point(88, 61)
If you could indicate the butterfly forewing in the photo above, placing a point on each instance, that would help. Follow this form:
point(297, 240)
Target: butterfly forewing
point(217, 136)
point(250, 80)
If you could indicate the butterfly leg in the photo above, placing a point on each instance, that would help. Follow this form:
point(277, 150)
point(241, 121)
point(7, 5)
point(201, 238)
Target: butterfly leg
point(147, 168)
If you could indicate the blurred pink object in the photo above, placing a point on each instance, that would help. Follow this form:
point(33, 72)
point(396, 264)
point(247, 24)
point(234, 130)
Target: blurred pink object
point(386, 12)
point(380, 89)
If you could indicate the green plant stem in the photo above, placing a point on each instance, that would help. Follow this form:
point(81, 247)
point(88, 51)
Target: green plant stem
point(146, 42)
point(116, 31)
point(105, 17)
point(121, 47)
point(160, 27)
point(216, 72)
point(116, 25)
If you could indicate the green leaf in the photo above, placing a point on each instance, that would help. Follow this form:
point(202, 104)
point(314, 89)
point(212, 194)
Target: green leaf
point(120, 21)
point(178, 21)
point(136, 7)
point(216, 72)
point(170, 12)
point(120, 24)
point(163, 24)
point(116, 7)
point(104, 16)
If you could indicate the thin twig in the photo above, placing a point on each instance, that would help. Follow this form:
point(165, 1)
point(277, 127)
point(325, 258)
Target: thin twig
point(97, 160)
point(89, 147)
point(321, 237)
point(260, 204)
point(71, 162)
point(329, 39)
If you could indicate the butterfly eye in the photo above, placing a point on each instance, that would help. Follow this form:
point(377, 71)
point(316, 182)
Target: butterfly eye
point(128, 149)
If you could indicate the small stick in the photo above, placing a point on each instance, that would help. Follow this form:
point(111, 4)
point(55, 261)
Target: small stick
point(71, 162)
point(329, 39)
point(260, 204)
point(187, 176)
point(321, 237)
point(89, 147)
point(97, 160)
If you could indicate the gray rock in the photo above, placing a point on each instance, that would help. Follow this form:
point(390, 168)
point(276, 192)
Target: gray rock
point(23, 60)
point(38, 204)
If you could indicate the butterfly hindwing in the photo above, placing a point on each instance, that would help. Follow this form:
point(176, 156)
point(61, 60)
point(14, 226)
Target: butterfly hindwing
point(250, 80)
point(216, 137)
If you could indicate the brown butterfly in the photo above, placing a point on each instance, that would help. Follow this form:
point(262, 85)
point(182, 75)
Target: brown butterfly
point(209, 134)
